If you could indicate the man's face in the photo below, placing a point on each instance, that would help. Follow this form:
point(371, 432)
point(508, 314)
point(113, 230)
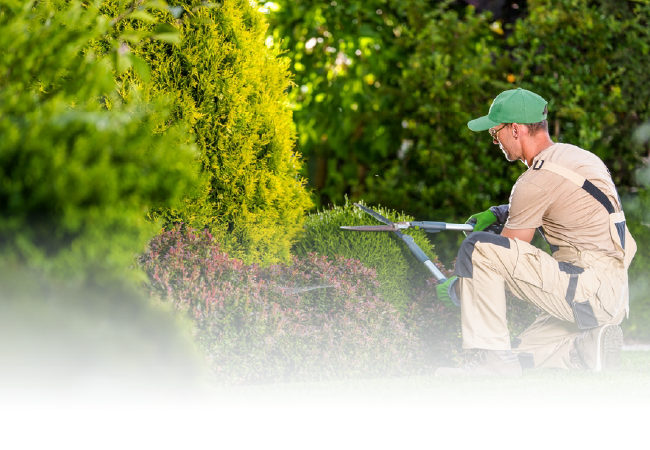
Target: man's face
point(501, 137)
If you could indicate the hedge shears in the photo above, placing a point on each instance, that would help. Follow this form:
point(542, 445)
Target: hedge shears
point(429, 227)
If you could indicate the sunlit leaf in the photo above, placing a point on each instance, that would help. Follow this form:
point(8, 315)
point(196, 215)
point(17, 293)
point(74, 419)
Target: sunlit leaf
point(142, 15)
point(141, 67)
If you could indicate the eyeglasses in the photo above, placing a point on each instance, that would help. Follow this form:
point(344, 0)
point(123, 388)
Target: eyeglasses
point(494, 132)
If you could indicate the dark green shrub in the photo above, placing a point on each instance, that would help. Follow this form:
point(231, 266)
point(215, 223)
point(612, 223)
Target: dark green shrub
point(397, 269)
point(229, 89)
point(79, 169)
point(637, 213)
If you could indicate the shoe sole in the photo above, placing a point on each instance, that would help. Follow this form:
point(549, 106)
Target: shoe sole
point(611, 343)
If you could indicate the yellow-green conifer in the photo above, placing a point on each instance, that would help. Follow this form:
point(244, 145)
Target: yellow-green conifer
point(230, 88)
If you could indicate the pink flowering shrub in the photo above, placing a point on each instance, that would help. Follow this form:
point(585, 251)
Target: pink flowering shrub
point(315, 319)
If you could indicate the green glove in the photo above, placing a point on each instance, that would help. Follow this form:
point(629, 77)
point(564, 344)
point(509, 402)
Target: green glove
point(443, 292)
point(482, 220)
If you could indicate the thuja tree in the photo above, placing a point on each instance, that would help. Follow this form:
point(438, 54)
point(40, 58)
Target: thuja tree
point(229, 88)
point(79, 168)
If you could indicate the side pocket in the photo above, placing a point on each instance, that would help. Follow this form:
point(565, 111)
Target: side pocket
point(528, 267)
point(611, 296)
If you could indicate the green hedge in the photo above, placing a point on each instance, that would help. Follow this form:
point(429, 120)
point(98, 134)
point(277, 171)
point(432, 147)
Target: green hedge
point(397, 269)
point(79, 168)
point(228, 88)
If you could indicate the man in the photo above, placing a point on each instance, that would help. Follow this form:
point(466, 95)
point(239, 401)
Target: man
point(568, 194)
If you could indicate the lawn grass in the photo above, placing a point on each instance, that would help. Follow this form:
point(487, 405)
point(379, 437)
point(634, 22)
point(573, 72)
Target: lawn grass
point(546, 410)
point(543, 409)
point(630, 385)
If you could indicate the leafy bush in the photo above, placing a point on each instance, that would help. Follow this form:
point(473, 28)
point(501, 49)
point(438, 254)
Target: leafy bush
point(398, 270)
point(79, 169)
point(347, 63)
point(229, 89)
point(318, 319)
point(260, 325)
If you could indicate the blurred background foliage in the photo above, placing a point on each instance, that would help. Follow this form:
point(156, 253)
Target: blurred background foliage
point(79, 166)
point(384, 90)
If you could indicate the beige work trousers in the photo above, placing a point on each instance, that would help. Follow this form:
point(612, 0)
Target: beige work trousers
point(587, 291)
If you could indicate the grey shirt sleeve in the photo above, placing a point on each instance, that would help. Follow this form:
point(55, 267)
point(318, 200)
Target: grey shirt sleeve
point(501, 212)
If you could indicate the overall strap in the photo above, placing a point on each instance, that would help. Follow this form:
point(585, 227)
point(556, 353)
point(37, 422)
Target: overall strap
point(618, 227)
point(578, 180)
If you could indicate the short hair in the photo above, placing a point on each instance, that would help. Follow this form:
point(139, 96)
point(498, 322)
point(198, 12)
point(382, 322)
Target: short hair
point(534, 128)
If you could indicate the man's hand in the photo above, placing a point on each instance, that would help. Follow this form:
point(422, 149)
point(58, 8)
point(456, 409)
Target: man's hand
point(482, 220)
point(444, 294)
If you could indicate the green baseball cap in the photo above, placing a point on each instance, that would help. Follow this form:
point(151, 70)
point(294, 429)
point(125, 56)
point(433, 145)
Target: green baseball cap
point(513, 106)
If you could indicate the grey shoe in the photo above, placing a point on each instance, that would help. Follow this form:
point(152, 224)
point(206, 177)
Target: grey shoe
point(486, 363)
point(600, 348)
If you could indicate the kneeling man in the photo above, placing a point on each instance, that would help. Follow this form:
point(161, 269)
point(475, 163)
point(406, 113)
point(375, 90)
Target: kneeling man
point(567, 194)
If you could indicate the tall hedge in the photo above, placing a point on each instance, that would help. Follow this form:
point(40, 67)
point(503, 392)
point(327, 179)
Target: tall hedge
point(229, 88)
point(79, 168)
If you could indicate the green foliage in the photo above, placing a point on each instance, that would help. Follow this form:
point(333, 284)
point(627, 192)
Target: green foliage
point(79, 168)
point(397, 269)
point(592, 67)
point(638, 218)
point(346, 65)
point(229, 89)
point(438, 66)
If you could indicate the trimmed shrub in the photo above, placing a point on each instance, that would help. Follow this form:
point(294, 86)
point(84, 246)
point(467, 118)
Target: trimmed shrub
point(229, 89)
point(79, 168)
point(398, 270)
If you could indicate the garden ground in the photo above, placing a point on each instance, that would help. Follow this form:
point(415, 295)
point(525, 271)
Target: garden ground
point(543, 409)
point(630, 384)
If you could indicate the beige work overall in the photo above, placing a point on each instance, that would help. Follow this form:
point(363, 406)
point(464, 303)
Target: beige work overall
point(575, 290)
